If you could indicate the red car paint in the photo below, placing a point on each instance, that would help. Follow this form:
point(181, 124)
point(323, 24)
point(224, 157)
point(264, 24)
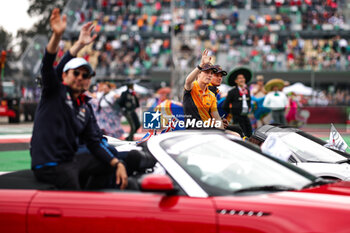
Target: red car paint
point(118, 212)
point(13, 209)
point(321, 209)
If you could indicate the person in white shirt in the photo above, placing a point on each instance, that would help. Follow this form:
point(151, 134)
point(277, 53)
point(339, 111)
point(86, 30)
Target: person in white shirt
point(276, 100)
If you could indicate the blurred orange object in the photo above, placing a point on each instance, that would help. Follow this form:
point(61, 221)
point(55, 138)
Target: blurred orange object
point(164, 91)
point(166, 43)
point(268, 18)
point(98, 28)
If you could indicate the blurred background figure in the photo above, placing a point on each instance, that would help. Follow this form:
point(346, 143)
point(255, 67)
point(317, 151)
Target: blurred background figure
point(261, 114)
point(276, 100)
point(129, 102)
point(258, 90)
point(292, 109)
point(161, 95)
point(238, 101)
point(296, 116)
point(108, 111)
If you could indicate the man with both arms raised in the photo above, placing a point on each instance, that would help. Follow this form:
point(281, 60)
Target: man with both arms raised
point(61, 118)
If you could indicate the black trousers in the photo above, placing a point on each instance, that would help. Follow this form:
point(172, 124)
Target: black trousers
point(278, 117)
point(244, 123)
point(134, 123)
point(84, 172)
point(235, 128)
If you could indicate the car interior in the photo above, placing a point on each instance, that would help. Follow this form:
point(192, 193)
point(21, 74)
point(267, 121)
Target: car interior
point(138, 164)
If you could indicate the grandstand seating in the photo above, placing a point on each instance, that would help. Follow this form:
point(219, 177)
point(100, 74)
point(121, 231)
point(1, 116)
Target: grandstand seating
point(136, 36)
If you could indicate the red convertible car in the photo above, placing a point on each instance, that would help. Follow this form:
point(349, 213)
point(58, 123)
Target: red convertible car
point(203, 181)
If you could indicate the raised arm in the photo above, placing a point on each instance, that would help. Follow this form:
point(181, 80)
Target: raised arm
point(193, 75)
point(58, 25)
point(85, 38)
point(49, 76)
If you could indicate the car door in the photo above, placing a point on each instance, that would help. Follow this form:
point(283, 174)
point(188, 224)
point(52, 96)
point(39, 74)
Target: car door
point(13, 208)
point(63, 211)
point(255, 214)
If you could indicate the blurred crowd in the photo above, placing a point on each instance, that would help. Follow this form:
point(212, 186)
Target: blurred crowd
point(134, 37)
point(269, 52)
point(294, 112)
point(122, 47)
point(330, 96)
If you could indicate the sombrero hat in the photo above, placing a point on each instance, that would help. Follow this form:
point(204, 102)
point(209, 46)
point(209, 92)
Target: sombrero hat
point(130, 81)
point(231, 77)
point(274, 82)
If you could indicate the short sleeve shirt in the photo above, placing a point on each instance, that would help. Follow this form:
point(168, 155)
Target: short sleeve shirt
point(199, 104)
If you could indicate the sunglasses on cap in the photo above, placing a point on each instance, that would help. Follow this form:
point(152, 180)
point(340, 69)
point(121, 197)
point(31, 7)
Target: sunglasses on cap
point(85, 75)
point(219, 70)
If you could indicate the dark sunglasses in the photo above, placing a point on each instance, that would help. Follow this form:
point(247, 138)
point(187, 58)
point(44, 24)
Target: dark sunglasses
point(76, 73)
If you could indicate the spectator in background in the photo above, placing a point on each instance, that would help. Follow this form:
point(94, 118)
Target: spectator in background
point(276, 100)
point(292, 109)
point(237, 101)
point(258, 89)
point(109, 112)
point(271, 53)
point(261, 113)
point(129, 102)
point(161, 95)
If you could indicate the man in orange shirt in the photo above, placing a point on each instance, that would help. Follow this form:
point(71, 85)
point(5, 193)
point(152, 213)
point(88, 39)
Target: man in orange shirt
point(199, 103)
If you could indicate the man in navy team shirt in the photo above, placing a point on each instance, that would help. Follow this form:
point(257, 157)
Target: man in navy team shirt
point(63, 116)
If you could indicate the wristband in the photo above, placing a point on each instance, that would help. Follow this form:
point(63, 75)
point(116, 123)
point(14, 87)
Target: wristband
point(199, 67)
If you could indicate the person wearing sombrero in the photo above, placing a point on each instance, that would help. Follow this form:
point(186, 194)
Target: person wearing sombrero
point(276, 100)
point(237, 101)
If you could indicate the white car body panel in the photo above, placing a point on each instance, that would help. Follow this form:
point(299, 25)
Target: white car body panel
point(339, 171)
point(321, 168)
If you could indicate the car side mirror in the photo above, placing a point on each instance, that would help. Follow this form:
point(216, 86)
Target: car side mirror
point(157, 183)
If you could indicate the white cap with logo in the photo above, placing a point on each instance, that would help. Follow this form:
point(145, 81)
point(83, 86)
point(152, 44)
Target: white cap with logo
point(78, 62)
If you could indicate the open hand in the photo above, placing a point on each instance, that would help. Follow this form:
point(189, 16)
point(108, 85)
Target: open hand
point(85, 37)
point(205, 58)
point(58, 24)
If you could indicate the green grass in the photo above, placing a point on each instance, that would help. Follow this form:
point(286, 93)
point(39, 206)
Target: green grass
point(19, 160)
point(14, 160)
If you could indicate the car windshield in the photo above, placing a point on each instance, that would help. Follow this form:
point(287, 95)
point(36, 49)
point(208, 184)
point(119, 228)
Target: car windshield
point(307, 150)
point(217, 162)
